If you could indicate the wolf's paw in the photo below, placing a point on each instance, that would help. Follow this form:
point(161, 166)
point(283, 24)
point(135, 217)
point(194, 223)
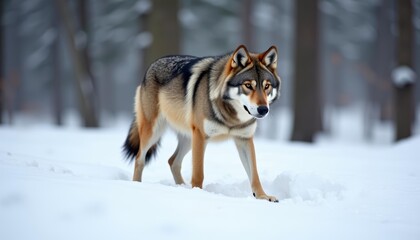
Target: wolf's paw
point(266, 197)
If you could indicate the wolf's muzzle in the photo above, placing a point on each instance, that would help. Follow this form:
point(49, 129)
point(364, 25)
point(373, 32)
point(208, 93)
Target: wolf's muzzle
point(262, 110)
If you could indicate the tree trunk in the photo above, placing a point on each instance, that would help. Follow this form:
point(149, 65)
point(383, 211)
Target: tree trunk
point(84, 29)
point(2, 63)
point(57, 100)
point(248, 30)
point(164, 26)
point(404, 101)
point(84, 14)
point(85, 87)
point(143, 20)
point(307, 119)
point(12, 85)
point(384, 62)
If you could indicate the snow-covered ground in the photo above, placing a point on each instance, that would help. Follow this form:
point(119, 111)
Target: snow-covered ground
point(73, 184)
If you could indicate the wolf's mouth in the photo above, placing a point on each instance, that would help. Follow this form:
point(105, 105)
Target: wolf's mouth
point(246, 109)
point(255, 116)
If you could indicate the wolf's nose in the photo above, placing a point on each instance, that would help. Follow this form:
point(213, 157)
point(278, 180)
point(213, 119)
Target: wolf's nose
point(262, 110)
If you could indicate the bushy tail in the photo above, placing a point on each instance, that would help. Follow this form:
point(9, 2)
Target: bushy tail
point(131, 145)
point(132, 142)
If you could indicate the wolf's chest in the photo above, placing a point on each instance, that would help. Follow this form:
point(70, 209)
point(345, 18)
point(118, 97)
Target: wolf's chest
point(216, 130)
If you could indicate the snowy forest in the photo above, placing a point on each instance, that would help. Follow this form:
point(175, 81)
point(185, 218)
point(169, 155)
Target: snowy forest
point(85, 58)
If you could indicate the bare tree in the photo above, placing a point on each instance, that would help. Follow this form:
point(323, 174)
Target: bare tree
point(13, 77)
point(163, 24)
point(384, 59)
point(307, 120)
point(84, 31)
point(85, 86)
point(248, 30)
point(144, 34)
point(403, 80)
point(1, 62)
point(57, 100)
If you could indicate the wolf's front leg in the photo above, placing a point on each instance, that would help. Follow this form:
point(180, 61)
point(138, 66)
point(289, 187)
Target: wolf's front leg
point(246, 152)
point(198, 148)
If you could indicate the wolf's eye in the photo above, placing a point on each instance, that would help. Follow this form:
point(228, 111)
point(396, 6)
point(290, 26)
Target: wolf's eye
point(248, 85)
point(267, 86)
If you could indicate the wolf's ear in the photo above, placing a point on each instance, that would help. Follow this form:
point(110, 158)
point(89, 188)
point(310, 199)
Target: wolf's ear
point(269, 58)
point(240, 58)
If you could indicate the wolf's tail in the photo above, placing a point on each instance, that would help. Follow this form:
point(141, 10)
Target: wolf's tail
point(132, 142)
point(131, 145)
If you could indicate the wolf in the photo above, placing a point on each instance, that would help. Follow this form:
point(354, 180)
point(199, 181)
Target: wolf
point(203, 99)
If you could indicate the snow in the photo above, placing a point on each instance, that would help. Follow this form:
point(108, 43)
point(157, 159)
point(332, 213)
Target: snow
point(188, 17)
point(69, 183)
point(144, 39)
point(403, 75)
point(143, 6)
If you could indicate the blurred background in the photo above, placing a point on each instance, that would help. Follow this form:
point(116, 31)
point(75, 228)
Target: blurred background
point(349, 67)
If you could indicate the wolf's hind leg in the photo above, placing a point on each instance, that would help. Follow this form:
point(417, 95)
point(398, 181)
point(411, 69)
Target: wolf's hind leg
point(150, 134)
point(175, 161)
point(138, 168)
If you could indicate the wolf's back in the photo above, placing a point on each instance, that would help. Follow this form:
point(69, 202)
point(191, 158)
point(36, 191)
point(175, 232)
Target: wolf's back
point(167, 68)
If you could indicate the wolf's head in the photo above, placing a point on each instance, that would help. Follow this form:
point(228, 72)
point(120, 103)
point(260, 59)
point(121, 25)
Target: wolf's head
point(252, 81)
